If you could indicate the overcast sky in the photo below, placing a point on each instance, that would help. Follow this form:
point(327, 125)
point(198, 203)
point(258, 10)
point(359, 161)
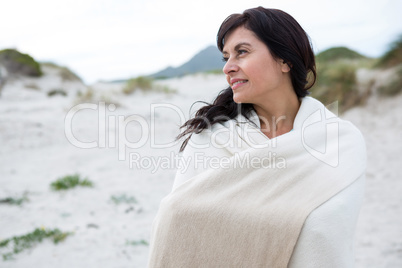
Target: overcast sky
point(112, 39)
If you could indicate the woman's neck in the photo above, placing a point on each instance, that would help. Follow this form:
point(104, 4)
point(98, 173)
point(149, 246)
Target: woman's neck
point(277, 114)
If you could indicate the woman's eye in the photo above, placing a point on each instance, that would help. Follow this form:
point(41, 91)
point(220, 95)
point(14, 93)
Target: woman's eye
point(239, 52)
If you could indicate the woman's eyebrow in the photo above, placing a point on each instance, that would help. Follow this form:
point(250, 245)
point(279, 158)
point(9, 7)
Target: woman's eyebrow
point(242, 44)
point(238, 46)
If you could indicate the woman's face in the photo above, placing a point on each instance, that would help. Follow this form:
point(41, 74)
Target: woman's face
point(251, 71)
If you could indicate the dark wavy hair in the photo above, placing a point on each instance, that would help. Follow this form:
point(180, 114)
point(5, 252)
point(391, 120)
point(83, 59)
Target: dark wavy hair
point(285, 39)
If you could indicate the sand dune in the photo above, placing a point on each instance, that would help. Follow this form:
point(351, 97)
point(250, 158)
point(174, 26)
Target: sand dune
point(35, 151)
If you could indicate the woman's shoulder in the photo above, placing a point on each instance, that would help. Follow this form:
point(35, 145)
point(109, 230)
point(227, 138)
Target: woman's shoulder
point(209, 138)
point(201, 149)
point(312, 110)
point(220, 137)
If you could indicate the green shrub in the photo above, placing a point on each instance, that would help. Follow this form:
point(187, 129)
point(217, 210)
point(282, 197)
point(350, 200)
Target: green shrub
point(18, 63)
point(164, 89)
point(140, 83)
point(338, 53)
point(32, 86)
point(336, 81)
point(54, 92)
point(70, 181)
point(393, 56)
point(88, 95)
point(118, 199)
point(14, 201)
point(394, 86)
point(141, 242)
point(145, 84)
point(17, 244)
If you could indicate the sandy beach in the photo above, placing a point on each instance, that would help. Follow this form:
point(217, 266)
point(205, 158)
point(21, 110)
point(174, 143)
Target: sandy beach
point(35, 151)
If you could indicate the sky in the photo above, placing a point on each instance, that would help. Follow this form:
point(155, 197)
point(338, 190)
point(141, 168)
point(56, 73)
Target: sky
point(119, 39)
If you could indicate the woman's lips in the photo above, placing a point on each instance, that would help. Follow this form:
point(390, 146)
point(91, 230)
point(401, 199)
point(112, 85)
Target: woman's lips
point(238, 83)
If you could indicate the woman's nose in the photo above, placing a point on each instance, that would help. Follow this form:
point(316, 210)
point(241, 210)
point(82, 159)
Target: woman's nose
point(230, 66)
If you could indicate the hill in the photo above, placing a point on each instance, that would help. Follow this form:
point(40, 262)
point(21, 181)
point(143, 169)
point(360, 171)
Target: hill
point(207, 59)
point(393, 56)
point(337, 53)
point(337, 77)
point(17, 63)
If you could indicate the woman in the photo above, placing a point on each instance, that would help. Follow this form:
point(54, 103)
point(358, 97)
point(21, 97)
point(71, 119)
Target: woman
point(275, 179)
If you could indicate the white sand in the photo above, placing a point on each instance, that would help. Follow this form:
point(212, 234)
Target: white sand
point(35, 151)
point(379, 230)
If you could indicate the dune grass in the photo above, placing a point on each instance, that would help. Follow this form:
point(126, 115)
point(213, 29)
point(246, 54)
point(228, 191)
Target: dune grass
point(90, 96)
point(393, 56)
point(32, 86)
point(20, 63)
point(139, 83)
point(14, 200)
point(70, 181)
point(141, 242)
point(394, 86)
point(123, 199)
point(86, 96)
point(337, 81)
point(65, 73)
point(55, 92)
point(392, 59)
point(337, 53)
point(17, 244)
point(145, 84)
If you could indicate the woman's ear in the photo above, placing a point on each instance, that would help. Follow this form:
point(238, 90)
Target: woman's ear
point(285, 66)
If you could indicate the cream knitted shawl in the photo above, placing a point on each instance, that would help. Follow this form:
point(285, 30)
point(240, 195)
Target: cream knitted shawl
point(250, 211)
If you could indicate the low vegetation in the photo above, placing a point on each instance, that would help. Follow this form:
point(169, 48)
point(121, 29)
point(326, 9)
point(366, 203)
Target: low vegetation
point(85, 96)
point(55, 92)
point(14, 200)
point(140, 83)
point(141, 242)
point(91, 96)
point(65, 73)
point(394, 86)
point(14, 245)
point(32, 86)
point(123, 199)
point(70, 181)
point(393, 56)
point(338, 53)
point(16, 62)
point(145, 84)
point(337, 80)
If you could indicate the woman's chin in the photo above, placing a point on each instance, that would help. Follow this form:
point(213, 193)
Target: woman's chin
point(237, 99)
